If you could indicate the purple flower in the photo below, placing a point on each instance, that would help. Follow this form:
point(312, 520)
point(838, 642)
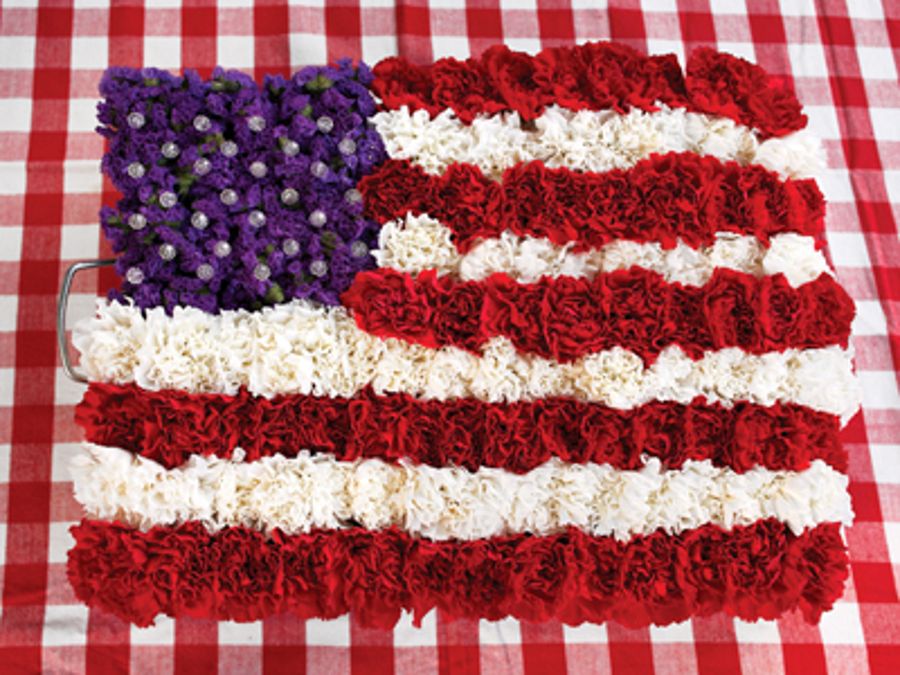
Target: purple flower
point(234, 148)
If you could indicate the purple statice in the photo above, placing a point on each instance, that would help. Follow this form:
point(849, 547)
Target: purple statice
point(237, 194)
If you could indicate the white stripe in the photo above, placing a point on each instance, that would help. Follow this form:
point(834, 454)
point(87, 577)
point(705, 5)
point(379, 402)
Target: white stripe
point(302, 348)
point(306, 492)
point(420, 243)
point(587, 140)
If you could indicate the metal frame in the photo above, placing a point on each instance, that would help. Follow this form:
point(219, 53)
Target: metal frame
point(61, 307)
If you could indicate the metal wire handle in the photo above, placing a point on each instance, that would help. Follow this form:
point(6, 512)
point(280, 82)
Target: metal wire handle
point(61, 307)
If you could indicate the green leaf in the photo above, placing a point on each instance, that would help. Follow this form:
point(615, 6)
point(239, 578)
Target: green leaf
point(318, 85)
point(274, 294)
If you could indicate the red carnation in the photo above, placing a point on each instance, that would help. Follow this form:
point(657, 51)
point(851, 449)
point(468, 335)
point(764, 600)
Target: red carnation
point(512, 75)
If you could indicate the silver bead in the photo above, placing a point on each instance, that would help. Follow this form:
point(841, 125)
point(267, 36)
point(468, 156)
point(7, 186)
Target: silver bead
point(205, 272)
point(325, 124)
point(202, 123)
point(202, 166)
point(257, 218)
point(359, 249)
point(256, 123)
point(170, 150)
point(167, 251)
point(228, 196)
point(229, 148)
point(347, 146)
point(352, 196)
point(137, 221)
point(258, 169)
point(290, 247)
point(290, 196)
point(318, 268)
point(318, 218)
point(199, 220)
point(262, 272)
point(136, 120)
point(134, 275)
point(291, 148)
point(136, 170)
point(318, 169)
point(167, 200)
point(222, 249)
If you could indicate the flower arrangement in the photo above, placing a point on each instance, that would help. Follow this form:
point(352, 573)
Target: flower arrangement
point(593, 76)
point(544, 336)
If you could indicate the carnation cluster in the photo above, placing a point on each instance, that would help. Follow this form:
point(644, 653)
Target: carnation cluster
point(664, 198)
point(464, 432)
point(593, 76)
point(237, 194)
point(585, 357)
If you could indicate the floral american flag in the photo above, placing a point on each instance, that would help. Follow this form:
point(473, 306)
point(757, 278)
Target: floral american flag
point(542, 337)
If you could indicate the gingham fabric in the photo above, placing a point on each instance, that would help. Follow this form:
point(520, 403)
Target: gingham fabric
point(841, 56)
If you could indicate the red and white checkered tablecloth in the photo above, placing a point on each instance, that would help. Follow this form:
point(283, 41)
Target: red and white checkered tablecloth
point(842, 57)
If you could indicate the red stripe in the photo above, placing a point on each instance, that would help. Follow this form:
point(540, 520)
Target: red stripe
point(543, 648)
point(371, 650)
point(662, 199)
point(413, 22)
point(126, 32)
point(697, 26)
point(198, 36)
point(566, 318)
point(715, 642)
point(759, 571)
point(484, 25)
point(170, 426)
point(284, 645)
point(556, 21)
point(594, 76)
point(271, 45)
point(626, 24)
point(343, 28)
point(630, 651)
point(458, 646)
point(108, 650)
point(196, 646)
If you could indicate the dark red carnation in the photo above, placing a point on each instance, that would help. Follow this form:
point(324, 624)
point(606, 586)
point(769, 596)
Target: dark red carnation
point(541, 578)
point(458, 310)
point(572, 322)
point(375, 586)
point(386, 303)
point(658, 431)
point(561, 72)
point(517, 312)
point(779, 310)
point(463, 86)
point(614, 204)
point(400, 83)
point(396, 188)
point(635, 301)
point(669, 191)
point(731, 310)
point(754, 583)
point(700, 568)
point(827, 313)
point(467, 202)
point(721, 84)
point(512, 76)
point(649, 583)
point(524, 204)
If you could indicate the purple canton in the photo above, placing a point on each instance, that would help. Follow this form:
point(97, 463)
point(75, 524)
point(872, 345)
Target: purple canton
point(238, 195)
